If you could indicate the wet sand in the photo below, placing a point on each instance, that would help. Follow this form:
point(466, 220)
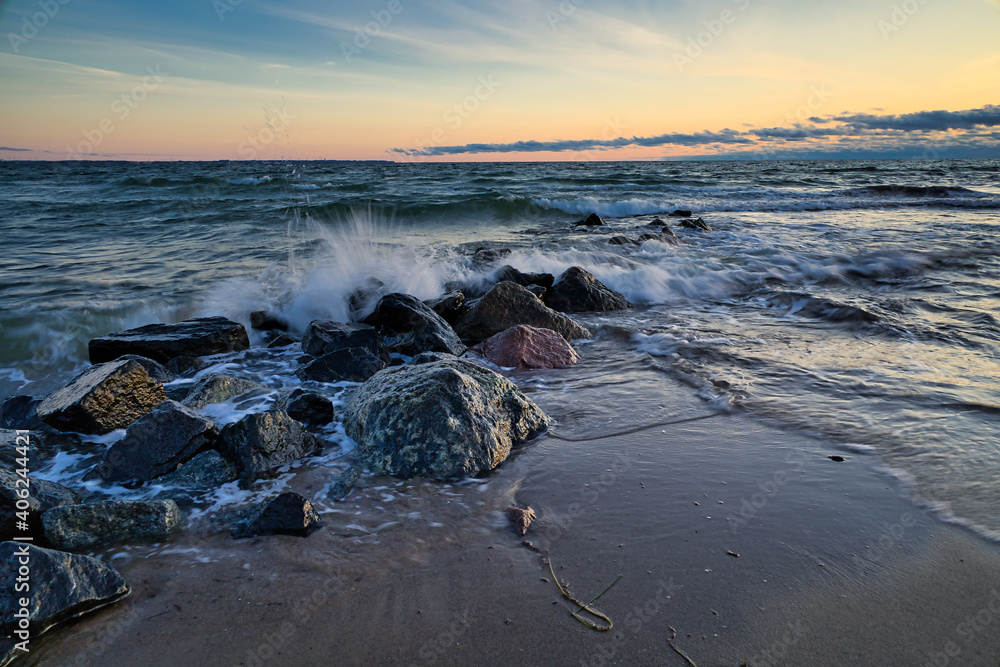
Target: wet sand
point(743, 538)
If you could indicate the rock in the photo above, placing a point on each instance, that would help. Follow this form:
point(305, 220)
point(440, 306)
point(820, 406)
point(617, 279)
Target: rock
point(449, 306)
point(524, 346)
point(103, 398)
point(79, 527)
point(62, 587)
point(508, 272)
point(409, 327)
point(489, 255)
point(361, 300)
point(286, 514)
point(282, 340)
point(506, 306)
point(339, 489)
point(593, 220)
point(657, 222)
point(578, 291)
point(184, 366)
point(162, 342)
point(521, 519)
point(325, 337)
point(206, 471)
point(537, 290)
point(648, 237)
point(42, 495)
point(217, 388)
point(354, 364)
point(12, 451)
point(20, 412)
point(428, 357)
point(156, 370)
point(264, 321)
point(444, 419)
point(157, 443)
point(668, 236)
point(312, 409)
point(621, 240)
point(263, 441)
point(679, 213)
point(698, 224)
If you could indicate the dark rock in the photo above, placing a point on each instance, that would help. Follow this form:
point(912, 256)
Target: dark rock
point(20, 412)
point(428, 357)
point(444, 419)
point(506, 306)
point(524, 279)
point(578, 291)
point(698, 224)
point(12, 452)
point(409, 327)
point(282, 340)
point(524, 346)
point(79, 527)
point(184, 366)
point(339, 489)
point(209, 470)
point(679, 213)
point(521, 519)
point(42, 495)
point(657, 223)
point(312, 409)
point(162, 342)
point(263, 441)
point(648, 237)
point(157, 443)
point(593, 220)
point(325, 337)
point(449, 306)
point(102, 398)
point(63, 586)
point(156, 370)
point(537, 290)
point(365, 296)
point(621, 240)
point(489, 255)
point(668, 236)
point(264, 321)
point(354, 364)
point(217, 388)
point(286, 514)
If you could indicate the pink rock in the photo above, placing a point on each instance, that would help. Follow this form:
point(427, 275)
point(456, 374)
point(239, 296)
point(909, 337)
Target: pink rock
point(525, 346)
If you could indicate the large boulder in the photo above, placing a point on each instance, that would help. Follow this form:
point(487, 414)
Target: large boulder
point(263, 441)
point(157, 443)
point(207, 471)
point(79, 527)
point(592, 220)
point(353, 364)
point(443, 419)
point(162, 342)
point(508, 272)
point(156, 370)
point(103, 398)
point(524, 346)
point(42, 495)
point(62, 587)
point(408, 326)
point(449, 305)
point(309, 407)
point(217, 388)
point(578, 291)
point(324, 337)
point(286, 514)
point(507, 305)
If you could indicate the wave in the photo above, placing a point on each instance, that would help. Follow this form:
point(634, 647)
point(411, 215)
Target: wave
point(893, 190)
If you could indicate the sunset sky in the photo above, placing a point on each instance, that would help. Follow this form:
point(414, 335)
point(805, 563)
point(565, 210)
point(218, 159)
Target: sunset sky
point(499, 80)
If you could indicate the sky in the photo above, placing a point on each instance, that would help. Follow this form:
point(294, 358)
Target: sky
point(453, 80)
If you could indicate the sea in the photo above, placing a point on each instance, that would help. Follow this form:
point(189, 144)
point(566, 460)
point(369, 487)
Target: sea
point(856, 301)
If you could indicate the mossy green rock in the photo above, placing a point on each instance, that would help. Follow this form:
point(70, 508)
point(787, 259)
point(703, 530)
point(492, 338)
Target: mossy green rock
point(440, 420)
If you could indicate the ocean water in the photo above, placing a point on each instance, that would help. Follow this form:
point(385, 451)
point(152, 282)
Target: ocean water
point(856, 300)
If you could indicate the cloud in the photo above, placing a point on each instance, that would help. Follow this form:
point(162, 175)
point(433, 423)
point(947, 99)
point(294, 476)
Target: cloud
point(8, 148)
point(878, 132)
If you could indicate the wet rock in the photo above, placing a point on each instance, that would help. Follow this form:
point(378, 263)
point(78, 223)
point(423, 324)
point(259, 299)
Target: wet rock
point(365, 296)
point(79, 527)
point(103, 398)
point(668, 236)
point(263, 441)
point(286, 514)
point(157, 443)
point(156, 370)
point(409, 327)
point(206, 471)
point(63, 586)
point(12, 449)
point(680, 213)
point(339, 489)
point(42, 495)
point(621, 240)
point(20, 412)
point(324, 337)
point(513, 275)
point(429, 357)
point(264, 321)
point(657, 222)
point(485, 256)
point(440, 420)
point(524, 346)
point(698, 224)
point(162, 342)
point(312, 409)
point(354, 364)
point(184, 366)
point(449, 306)
point(282, 340)
point(578, 291)
point(217, 388)
point(520, 519)
point(593, 220)
point(506, 306)
point(537, 290)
